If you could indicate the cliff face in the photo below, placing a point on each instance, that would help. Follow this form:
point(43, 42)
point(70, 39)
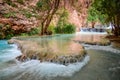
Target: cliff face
point(17, 14)
point(21, 14)
point(78, 12)
point(16, 17)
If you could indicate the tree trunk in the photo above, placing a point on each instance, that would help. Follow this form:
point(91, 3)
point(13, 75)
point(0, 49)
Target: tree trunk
point(116, 26)
point(46, 21)
point(93, 24)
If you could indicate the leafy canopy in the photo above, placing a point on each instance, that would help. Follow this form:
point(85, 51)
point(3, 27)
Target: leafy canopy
point(108, 8)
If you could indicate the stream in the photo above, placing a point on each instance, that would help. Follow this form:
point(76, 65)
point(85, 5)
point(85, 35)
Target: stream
point(100, 64)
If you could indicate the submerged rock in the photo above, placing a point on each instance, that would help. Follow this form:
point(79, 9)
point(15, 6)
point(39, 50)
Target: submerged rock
point(11, 41)
point(21, 58)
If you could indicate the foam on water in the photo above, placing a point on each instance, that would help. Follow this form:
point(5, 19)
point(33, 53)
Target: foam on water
point(44, 69)
point(77, 33)
point(104, 48)
point(33, 67)
point(9, 53)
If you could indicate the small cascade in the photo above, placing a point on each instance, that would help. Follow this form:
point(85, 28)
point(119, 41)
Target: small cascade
point(92, 30)
point(64, 60)
point(34, 69)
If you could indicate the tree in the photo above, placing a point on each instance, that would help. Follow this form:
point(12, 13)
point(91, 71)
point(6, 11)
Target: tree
point(63, 20)
point(92, 16)
point(47, 9)
point(111, 10)
point(95, 16)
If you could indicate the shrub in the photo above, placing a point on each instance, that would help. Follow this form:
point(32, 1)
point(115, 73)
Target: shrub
point(10, 14)
point(6, 32)
point(33, 31)
point(39, 4)
point(8, 36)
point(51, 28)
point(28, 15)
point(63, 26)
point(58, 30)
point(67, 29)
point(23, 34)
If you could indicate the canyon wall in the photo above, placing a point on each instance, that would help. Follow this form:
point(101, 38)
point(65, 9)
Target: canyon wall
point(78, 12)
point(21, 14)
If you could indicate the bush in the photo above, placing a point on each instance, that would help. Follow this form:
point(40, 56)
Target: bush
point(33, 31)
point(67, 29)
point(58, 30)
point(39, 4)
point(6, 32)
point(10, 14)
point(8, 36)
point(63, 25)
point(23, 34)
point(28, 14)
point(51, 28)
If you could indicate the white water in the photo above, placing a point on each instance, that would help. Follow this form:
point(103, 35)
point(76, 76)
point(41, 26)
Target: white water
point(77, 33)
point(45, 69)
point(104, 48)
point(9, 54)
point(18, 69)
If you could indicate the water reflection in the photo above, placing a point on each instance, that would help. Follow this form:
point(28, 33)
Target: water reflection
point(58, 48)
point(60, 44)
point(92, 39)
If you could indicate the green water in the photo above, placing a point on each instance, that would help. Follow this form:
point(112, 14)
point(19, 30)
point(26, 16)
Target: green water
point(103, 65)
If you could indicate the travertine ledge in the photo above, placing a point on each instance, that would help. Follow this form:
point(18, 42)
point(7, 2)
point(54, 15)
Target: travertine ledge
point(62, 53)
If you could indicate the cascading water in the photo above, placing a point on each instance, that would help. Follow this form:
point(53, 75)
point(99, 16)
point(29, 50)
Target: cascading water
point(8, 52)
point(34, 69)
point(99, 30)
point(103, 65)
